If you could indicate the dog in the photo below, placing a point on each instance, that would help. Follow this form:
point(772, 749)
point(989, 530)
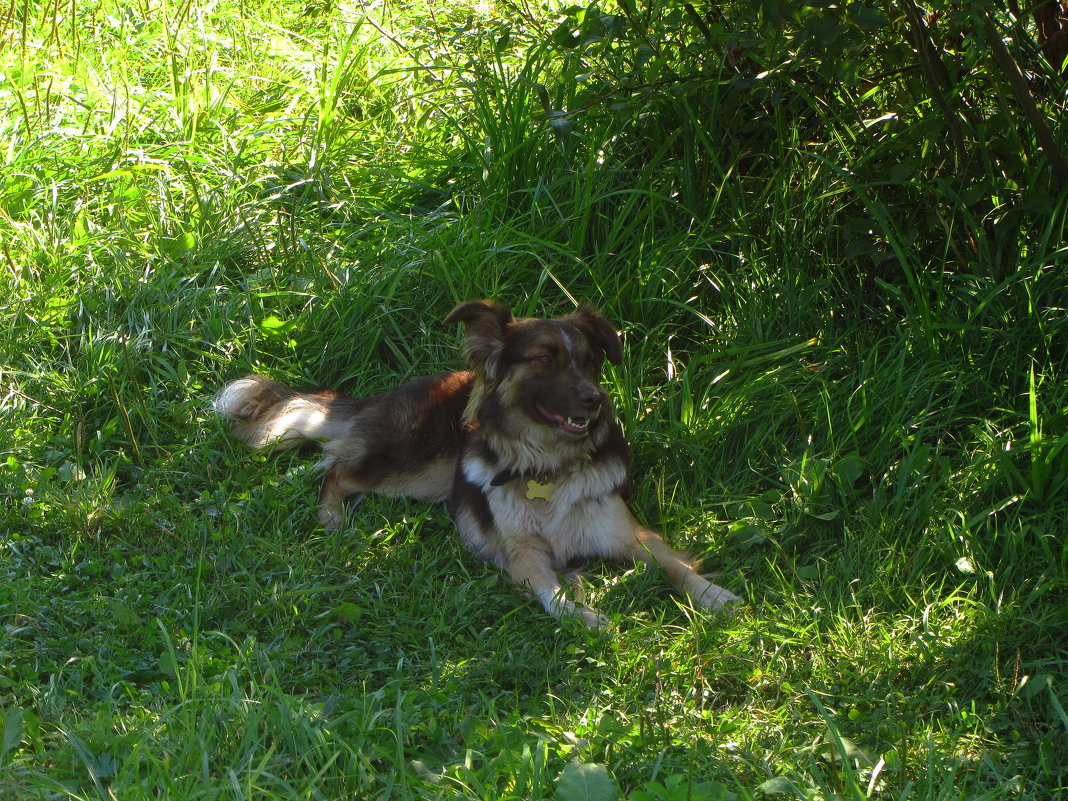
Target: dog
point(524, 447)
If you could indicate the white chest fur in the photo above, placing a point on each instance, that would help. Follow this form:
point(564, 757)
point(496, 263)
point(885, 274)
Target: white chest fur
point(578, 511)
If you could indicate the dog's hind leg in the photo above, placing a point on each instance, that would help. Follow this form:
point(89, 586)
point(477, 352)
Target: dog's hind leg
point(338, 489)
point(648, 546)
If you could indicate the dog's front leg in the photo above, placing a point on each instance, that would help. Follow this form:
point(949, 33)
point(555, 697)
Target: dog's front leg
point(648, 546)
point(529, 561)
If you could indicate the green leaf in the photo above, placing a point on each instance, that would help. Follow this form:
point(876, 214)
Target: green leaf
point(566, 35)
point(779, 785)
point(831, 515)
point(71, 472)
point(847, 470)
point(677, 787)
point(125, 615)
point(167, 664)
point(867, 18)
point(965, 565)
point(275, 326)
point(586, 782)
point(849, 750)
point(348, 612)
point(807, 572)
point(561, 123)
point(759, 509)
point(12, 729)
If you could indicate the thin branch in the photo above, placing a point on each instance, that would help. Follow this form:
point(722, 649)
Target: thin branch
point(937, 77)
point(1022, 93)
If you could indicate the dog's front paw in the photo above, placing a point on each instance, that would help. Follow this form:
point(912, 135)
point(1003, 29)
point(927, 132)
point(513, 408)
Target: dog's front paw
point(563, 608)
point(592, 618)
point(712, 596)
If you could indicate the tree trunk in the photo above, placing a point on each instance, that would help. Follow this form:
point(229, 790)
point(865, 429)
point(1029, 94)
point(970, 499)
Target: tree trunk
point(1052, 20)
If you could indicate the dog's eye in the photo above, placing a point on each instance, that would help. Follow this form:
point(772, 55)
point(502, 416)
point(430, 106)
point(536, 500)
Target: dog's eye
point(544, 358)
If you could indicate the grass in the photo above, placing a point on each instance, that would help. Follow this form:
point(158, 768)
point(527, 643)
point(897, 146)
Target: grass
point(844, 385)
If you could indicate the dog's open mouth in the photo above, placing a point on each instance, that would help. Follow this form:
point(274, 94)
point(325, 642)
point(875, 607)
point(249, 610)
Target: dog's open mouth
point(574, 425)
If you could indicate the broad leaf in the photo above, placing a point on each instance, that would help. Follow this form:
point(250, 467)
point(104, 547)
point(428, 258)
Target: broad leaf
point(586, 782)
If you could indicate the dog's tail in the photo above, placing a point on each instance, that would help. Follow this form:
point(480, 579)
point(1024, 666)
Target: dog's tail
point(266, 412)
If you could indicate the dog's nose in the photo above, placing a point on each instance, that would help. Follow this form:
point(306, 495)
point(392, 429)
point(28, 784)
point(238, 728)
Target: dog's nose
point(589, 397)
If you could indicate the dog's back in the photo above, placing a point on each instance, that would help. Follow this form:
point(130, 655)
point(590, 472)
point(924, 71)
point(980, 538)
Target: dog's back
point(403, 442)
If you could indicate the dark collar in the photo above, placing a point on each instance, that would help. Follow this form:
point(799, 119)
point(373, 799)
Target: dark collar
point(507, 476)
point(504, 477)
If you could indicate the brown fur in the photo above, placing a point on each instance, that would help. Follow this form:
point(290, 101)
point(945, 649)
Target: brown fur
point(524, 447)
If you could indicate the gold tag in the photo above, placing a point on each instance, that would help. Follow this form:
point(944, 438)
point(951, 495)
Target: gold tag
point(536, 490)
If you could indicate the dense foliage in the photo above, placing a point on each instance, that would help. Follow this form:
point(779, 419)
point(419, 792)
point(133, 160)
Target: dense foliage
point(833, 237)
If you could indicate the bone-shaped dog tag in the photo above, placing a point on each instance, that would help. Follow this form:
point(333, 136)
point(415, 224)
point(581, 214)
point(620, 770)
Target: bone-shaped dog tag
point(537, 490)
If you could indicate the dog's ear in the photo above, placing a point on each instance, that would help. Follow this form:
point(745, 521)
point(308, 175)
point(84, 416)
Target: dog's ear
point(599, 331)
point(485, 323)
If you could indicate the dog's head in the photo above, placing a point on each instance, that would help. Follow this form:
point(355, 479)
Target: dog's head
point(548, 369)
